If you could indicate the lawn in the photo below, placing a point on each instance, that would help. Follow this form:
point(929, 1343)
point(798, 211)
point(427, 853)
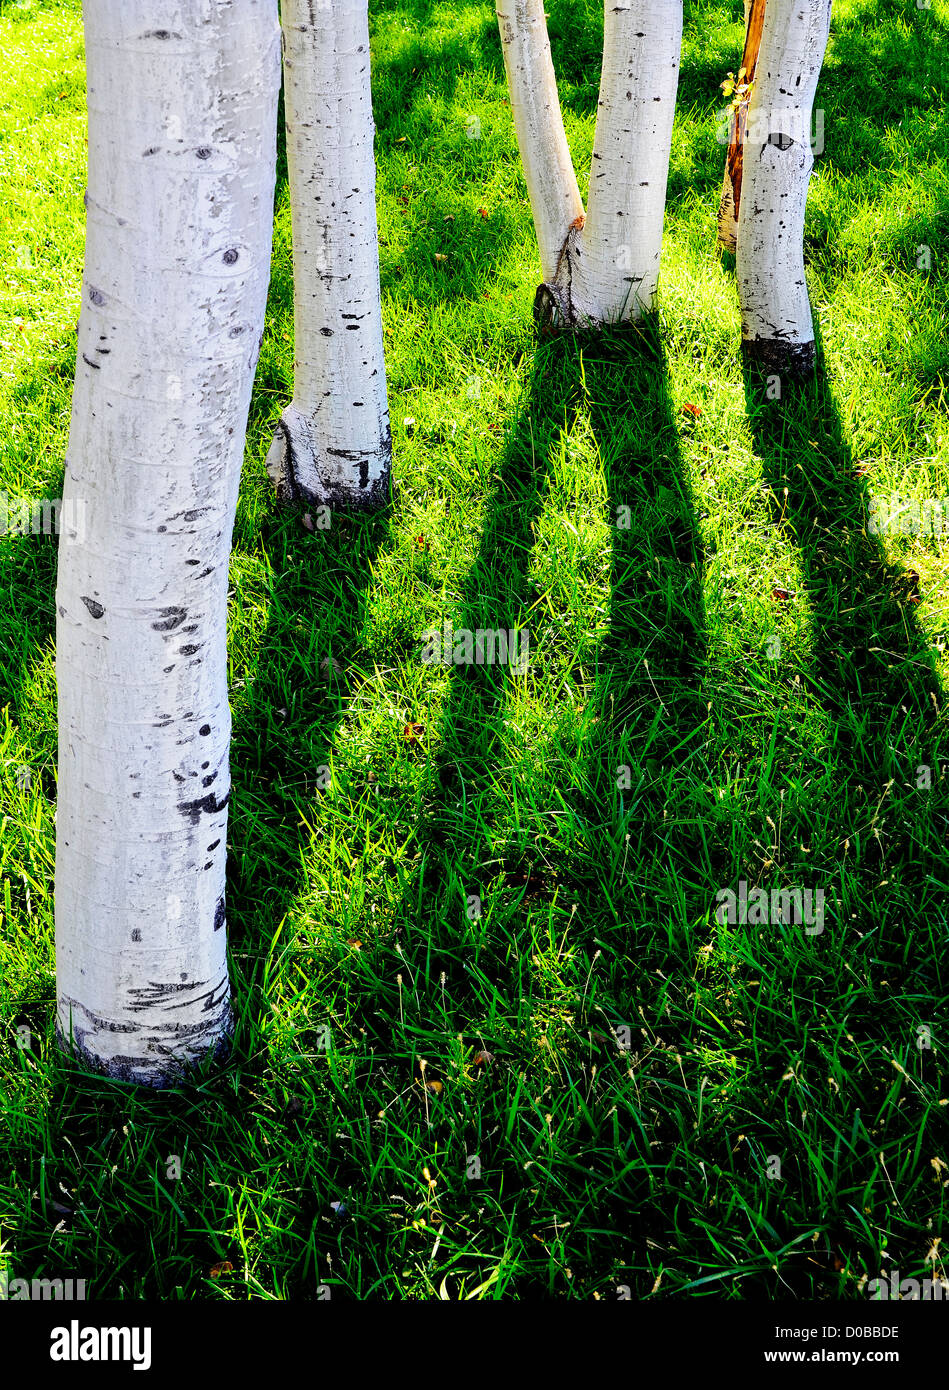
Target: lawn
point(492, 1040)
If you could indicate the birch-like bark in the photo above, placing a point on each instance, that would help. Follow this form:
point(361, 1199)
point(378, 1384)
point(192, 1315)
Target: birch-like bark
point(333, 445)
point(555, 199)
point(777, 327)
point(601, 267)
point(182, 99)
point(622, 236)
point(734, 159)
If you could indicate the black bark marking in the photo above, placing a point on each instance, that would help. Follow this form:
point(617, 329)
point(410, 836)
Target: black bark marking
point(170, 619)
point(146, 997)
point(204, 730)
point(209, 805)
point(96, 296)
point(190, 650)
point(219, 910)
point(231, 257)
point(97, 366)
point(107, 1025)
point(95, 609)
point(203, 152)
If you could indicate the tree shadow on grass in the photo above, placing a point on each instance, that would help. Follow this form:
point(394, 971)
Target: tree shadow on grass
point(873, 666)
point(519, 846)
point(874, 672)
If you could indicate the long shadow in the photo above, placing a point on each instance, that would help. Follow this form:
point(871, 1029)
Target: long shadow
point(527, 840)
point(873, 667)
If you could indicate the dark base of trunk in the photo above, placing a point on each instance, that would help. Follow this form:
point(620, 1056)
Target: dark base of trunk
point(552, 309)
point(773, 357)
point(299, 478)
point(370, 499)
point(157, 1074)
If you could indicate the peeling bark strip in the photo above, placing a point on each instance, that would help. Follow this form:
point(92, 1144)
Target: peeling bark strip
point(182, 101)
point(777, 327)
point(602, 266)
point(333, 446)
point(734, 160)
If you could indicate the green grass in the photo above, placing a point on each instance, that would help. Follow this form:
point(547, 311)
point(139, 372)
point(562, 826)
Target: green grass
point(770, 739)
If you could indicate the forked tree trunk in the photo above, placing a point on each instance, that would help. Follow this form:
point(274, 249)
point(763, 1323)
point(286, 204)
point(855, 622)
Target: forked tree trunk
point(333, 445)
point(601, 267)
point(734, 160)
point(777, 327)
point(182, 98)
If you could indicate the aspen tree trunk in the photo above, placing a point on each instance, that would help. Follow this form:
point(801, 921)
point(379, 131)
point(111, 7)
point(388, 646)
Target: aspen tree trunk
point(600, 267)
point(333, 445)
point(777, 327)
point(734, 161)
point(555, 199)
point(182, 99)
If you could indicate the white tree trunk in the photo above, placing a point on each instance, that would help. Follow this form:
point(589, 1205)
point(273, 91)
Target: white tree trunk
point(333, 445)
point(555, 199)
point(777, 327)
point(603, 267)
point(622, 238)
point(182, 98)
